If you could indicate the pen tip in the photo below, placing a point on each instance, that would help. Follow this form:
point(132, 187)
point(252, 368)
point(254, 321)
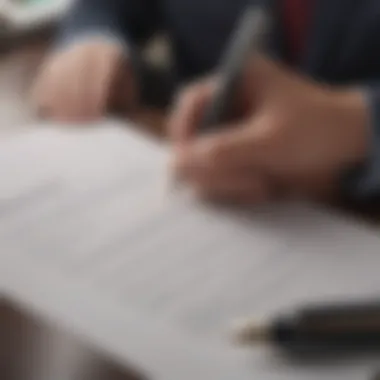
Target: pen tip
point(249, 331)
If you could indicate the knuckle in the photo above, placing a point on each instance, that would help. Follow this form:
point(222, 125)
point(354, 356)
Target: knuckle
point(267, 137)
point(184, 100)
point(268, 132)
point(213, 154)
point(189, 95)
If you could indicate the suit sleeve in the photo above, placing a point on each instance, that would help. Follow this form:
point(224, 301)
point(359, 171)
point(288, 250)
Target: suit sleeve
point(362, 183)
point(131, 21)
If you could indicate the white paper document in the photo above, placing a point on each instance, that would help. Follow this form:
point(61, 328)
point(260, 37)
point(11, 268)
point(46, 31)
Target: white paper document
point(91, 238)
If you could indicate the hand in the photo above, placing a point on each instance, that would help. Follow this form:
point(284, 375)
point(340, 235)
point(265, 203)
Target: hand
point(82, 81)
point(292, 137)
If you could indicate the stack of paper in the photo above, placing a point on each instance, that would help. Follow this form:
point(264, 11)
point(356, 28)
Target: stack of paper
point(91, 239)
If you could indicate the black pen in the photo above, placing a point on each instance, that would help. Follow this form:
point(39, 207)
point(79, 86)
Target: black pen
point(246, 39)
point(353, 326)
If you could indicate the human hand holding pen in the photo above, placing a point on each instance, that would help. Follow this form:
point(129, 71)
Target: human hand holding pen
point(291, 136)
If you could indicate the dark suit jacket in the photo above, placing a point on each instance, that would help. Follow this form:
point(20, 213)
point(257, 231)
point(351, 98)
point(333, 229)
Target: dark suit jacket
point(343, 47)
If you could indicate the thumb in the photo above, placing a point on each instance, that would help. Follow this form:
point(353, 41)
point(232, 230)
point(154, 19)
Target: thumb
point(233, 147)
point(243, 145)
point(189, 108)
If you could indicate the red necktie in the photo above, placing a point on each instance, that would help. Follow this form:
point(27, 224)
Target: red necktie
point(297, 15)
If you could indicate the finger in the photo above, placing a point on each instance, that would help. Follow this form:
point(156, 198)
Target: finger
point(252, 188)
point(71, 98)
point(226, 149)
point(47, 87)
point(107, 66)
point(262, 74)
point(318, 186)
point(67, 99)
point(82, 93)
point(189, 108)
point(226, 181)
point(76, 93)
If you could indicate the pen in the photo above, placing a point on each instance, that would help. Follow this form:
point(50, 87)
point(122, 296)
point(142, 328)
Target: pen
point(247, 38)
point(353, 326)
